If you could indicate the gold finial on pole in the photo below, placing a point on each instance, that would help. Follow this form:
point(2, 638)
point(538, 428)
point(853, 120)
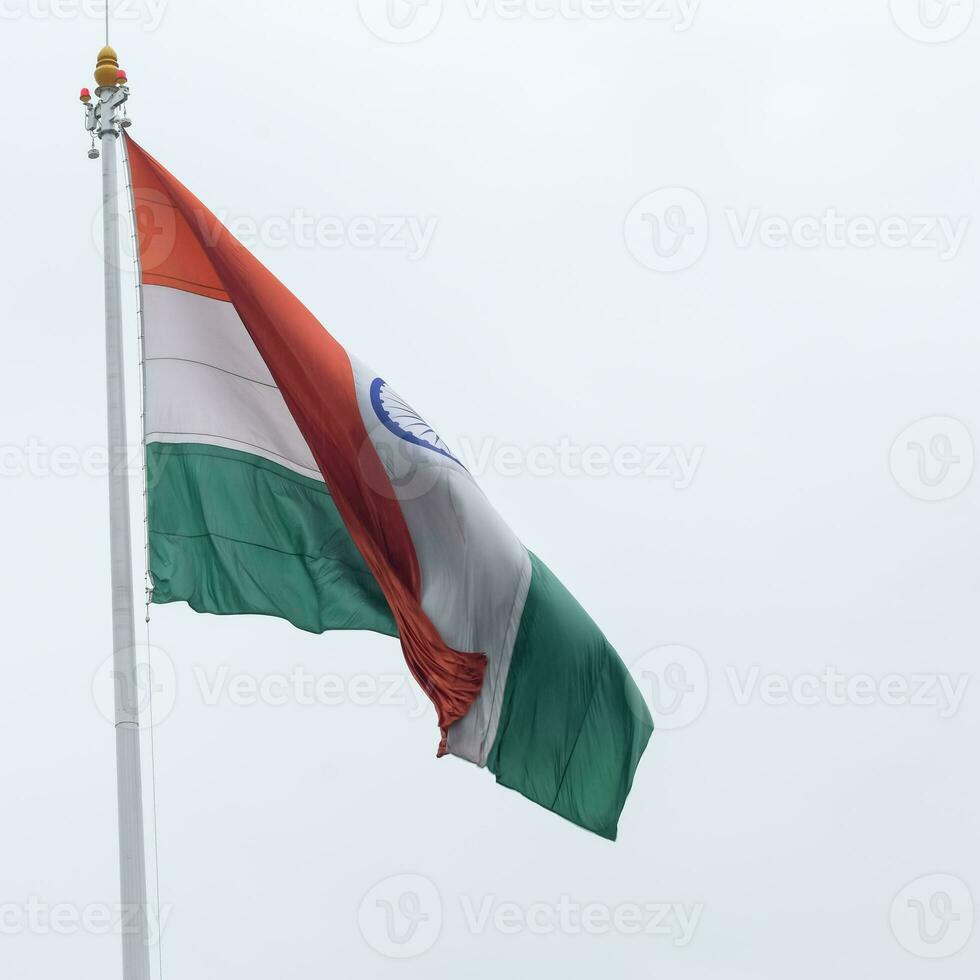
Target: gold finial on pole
point(107, 68)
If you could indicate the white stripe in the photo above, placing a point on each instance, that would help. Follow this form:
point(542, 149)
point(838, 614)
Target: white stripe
point(475, 572)
point(206, 382)
point(197, 328)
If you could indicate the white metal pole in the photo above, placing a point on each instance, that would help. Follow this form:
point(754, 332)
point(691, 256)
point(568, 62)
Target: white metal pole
point(132, 856)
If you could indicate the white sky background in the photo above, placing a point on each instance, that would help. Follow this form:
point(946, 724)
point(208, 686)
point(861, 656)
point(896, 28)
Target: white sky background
point(787, 829)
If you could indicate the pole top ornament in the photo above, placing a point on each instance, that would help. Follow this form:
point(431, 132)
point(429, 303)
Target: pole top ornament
point(107, 68)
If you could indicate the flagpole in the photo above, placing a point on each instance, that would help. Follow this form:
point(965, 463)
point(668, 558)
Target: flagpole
point(103, 121)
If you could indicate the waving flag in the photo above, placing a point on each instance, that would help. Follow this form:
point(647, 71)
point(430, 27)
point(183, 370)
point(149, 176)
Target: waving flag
point(287, 478)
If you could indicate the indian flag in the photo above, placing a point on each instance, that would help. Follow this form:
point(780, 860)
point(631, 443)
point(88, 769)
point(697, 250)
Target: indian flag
point(287, 478)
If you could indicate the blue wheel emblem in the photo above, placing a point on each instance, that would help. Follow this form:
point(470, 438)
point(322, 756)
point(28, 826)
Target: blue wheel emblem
point(399, 418)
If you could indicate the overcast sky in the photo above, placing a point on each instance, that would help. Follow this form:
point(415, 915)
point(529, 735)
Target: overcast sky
point(692, 287)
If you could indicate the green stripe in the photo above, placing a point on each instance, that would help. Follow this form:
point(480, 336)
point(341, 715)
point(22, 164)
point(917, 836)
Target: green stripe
point(233, 533)
point(573, 724)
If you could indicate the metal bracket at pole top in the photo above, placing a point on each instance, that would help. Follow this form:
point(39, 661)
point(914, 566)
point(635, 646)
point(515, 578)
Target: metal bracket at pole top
point(101, 118)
